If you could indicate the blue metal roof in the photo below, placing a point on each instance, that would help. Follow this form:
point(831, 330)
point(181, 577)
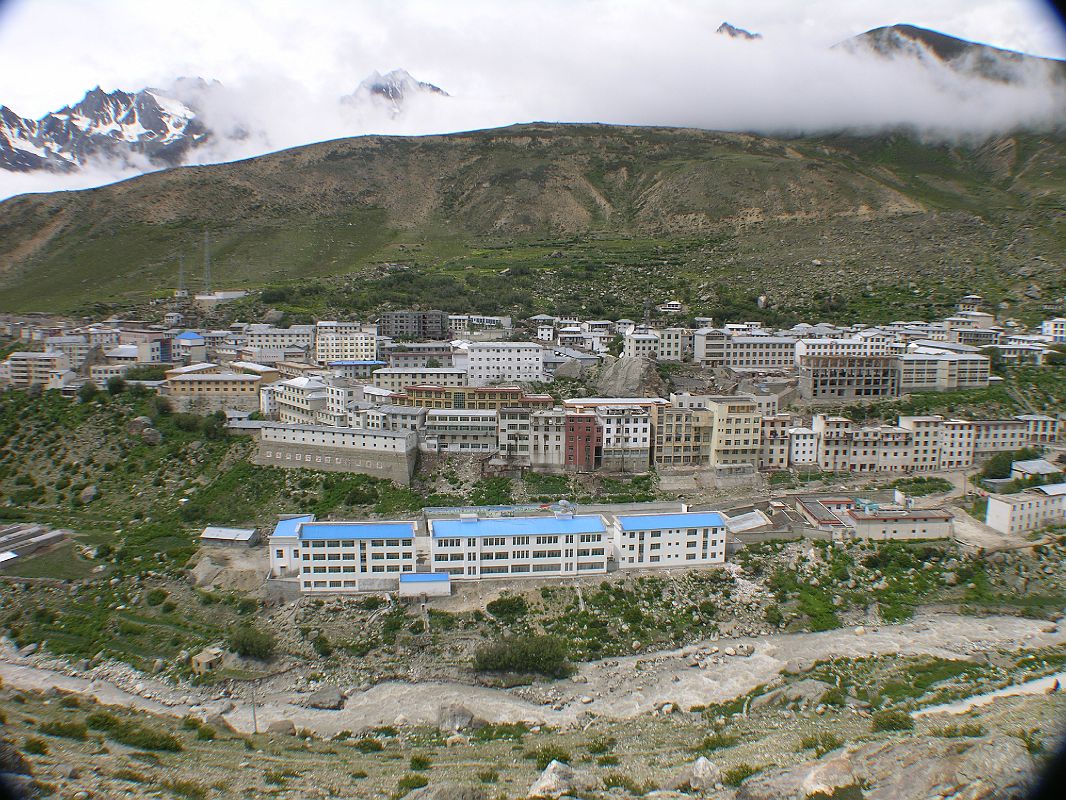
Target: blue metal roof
point(645, 522)
point(425, 577)
point(357, 530)
point(518, 526)
point(347, 362)
point(289, 527)
point(189, 335)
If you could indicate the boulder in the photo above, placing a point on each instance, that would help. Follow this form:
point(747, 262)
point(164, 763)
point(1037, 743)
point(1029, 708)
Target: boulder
point(286, 727)
point(453, 717)
point(701, 775)
point(137, 425)
point(88, 494)
point(219, 723)
point(559, 779)
point(447, 791)
point(151, 436)
point(629, 377)
point(326, 697)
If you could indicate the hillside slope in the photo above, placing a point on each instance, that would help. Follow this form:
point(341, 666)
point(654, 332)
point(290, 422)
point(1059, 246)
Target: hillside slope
point(422, 202)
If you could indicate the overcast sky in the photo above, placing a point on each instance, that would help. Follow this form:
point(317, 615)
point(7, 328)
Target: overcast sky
point(283, 65)
point(52, 51)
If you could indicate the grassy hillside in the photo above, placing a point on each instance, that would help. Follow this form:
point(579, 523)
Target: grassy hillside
point(567, 217)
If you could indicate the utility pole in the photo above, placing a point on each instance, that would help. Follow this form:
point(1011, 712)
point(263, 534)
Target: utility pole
point(255, 722)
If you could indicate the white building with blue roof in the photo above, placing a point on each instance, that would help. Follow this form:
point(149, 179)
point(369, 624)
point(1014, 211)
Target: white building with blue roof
point(332, 557)
point(669, 540)
point(471, 548)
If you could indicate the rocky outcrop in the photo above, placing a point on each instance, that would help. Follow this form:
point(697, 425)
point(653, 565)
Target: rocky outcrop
point(699, 776)
point(452, 718)
point(326, 697)
point(559, 779)
point(285, 727)
point(807, 692)
point(629, 377)
point(914, 769)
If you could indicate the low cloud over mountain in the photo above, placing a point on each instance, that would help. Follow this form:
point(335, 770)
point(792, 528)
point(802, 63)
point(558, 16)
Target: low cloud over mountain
point(898, 77)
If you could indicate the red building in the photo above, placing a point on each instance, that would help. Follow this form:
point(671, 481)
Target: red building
point(583, 436)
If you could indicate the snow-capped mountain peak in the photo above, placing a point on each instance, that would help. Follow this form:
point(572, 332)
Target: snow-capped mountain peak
point(118, 124)
point(393, 89)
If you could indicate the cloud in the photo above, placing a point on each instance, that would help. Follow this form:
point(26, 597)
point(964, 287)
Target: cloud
point(592, 61)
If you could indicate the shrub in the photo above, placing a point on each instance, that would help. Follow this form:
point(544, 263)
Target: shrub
point(607, 761)
point(206, 733)
point(358, 774)
point(131, 734)
point(408, 783)
point(35, 746)
point(738, 774)
point(544, 655)
point(618, 780)
point(368, 744)
point(546, 754)
point(322, 646)
point(69, 729)
point(964, 731)
point(131, 775)
point(69, 701)
point(508, 608)
point(420, 763)
point(834, 697)
point(252, 642)
point(890, 720)
point(602, 744)
point(193, 791)
point(716, 741)
point(155, 597)
point(504, 730)
point(168, 606)
point(774, 616)
point(821, 743)
point(488, 775)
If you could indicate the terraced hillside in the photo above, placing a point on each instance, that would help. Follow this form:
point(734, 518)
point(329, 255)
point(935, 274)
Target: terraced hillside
point(568, 217)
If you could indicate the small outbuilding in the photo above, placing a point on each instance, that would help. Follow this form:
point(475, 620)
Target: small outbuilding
point(428, 584)
point(1025, 470)
point(229, 536)
point(207, 660)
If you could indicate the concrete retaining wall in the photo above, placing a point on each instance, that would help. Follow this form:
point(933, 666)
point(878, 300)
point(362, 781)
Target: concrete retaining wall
point(396, 466)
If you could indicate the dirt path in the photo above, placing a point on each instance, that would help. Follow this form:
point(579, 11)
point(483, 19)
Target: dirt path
point(617, 688)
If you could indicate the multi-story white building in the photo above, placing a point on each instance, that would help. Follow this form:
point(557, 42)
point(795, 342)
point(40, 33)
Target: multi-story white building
point(669, 540)
point(471, 548)
point(344, 341)
point(1030, 510)
point(75, 347)
point(548, 439)
point(714, 347)
point(1055, 329)
point(640, 345)
point(267, 337)
point(25, 368)
point(504, 362)
point(924, 371)
point(461, 430)
point(802, 447)
point(300, 400)
point(627, 438)
point(396, 379)
point(859, 346)
point(338, 557)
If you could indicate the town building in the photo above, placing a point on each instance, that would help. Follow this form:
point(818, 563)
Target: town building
point(504, 362)
point(471, 548)
point(413, 325)
point(669, 540)
point(842, 378)
point(1030, 510)
point(396, 379)
point(381, 453)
